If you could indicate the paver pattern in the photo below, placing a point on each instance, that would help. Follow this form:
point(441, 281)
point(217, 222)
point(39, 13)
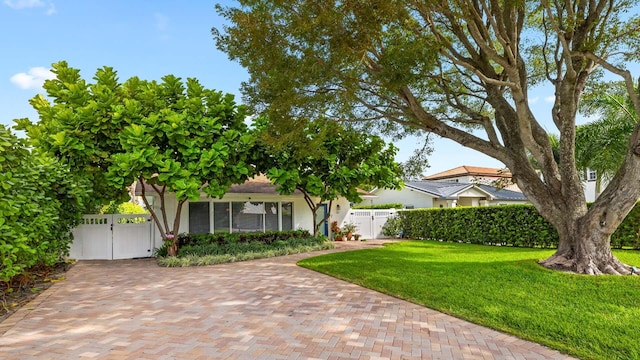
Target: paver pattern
point(261, 309)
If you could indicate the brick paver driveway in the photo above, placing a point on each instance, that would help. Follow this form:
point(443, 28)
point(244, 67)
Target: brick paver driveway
point(263, 309)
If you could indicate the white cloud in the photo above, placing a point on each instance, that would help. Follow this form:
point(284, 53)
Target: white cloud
point(23, 4)
point(533, 100)
point(550, 99)
point(162, 21)
point(51, 10)
point(28, 4)
point(32, 79)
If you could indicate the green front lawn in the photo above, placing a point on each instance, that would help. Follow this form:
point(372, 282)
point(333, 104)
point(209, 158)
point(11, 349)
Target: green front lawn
point(592, 317)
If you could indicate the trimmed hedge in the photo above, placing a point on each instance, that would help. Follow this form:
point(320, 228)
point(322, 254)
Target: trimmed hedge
point(268, 237)
point(208, 249)
point(379, 206)
point(236, 248)
point(511, 225)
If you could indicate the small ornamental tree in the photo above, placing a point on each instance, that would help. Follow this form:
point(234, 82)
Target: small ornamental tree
point(173, 136)
point(325, 160)
point(182, 140)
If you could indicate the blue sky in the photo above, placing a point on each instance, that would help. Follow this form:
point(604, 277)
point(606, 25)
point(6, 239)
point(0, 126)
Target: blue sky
point(148, 39)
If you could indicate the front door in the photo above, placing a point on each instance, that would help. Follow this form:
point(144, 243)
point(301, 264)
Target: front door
point(321, 214)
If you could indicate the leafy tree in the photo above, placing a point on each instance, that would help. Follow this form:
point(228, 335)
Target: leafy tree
point(462, 70)
point(127, 208)
point(601, 145)
point(325, 160)
point(78, 127)
point(40, 203)
point(172, 136)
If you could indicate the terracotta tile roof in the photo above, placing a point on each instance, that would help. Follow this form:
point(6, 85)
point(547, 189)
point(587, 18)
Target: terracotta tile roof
point(467, 170)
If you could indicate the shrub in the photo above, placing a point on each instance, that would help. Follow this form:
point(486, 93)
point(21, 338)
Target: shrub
point(126, 208)
point(40, 203)
point(224, 238)
point(393, 227)
point(209, 249)
point(512, 225)
point(379, 206)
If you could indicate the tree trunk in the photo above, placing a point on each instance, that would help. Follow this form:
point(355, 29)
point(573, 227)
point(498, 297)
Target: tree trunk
point(172, 250)
point(584, 246)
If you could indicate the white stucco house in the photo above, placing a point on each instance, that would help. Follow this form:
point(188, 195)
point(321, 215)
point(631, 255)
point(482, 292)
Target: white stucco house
point(589, 183)
point(493, 176)
point(439, 194)
point(476, 175)
point(249, 207)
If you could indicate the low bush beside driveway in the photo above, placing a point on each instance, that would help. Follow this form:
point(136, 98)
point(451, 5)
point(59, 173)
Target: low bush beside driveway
point(209, 249)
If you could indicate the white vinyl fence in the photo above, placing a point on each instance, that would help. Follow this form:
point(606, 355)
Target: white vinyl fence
point(369, 222)
point(112, 236)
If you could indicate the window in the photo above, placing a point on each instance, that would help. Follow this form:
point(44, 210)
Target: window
point(591, 175)
point(220, 217)
point(247, 216)
point(240, 216)
point(199, 218)
point(271, 216)
point(287, 216)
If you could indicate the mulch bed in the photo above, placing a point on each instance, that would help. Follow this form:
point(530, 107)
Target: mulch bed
point(26, 288)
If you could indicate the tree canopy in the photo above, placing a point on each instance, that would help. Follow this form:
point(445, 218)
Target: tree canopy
point(325, 160)
point(463, 70)
point(171, 135)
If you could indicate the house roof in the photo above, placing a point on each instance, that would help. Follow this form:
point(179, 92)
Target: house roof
point(467, 170)
point(450, 191)
point(259, 184)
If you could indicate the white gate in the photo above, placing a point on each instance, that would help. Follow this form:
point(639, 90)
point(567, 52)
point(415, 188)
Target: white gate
point(370, 222)
point(112, 236)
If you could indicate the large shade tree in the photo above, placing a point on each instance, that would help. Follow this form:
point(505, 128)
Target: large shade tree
point(325, 160)
point(463, 70)
point(173, 136)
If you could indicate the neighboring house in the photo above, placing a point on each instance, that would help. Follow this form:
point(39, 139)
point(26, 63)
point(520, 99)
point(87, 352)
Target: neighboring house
point(476, 175)
point(252, 206)
point(439, 194)
point(502, 178)
point(590, 184)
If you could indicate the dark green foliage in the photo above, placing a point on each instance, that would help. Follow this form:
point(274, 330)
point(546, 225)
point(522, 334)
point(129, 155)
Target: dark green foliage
point(40, 202)
point(380, 206)
point(511, 225)
point(237, 243)
point(393, 227)
point(223, 238)
point(628, 233)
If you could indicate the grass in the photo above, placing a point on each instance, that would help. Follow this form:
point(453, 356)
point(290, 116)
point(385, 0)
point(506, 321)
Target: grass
point(591, 317)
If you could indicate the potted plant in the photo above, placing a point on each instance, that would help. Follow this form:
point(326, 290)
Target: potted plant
point(335, 230)
point(349, 229)
point(356, 237)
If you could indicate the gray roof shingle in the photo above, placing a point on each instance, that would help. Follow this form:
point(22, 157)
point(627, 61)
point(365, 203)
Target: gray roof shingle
point(449, 190)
